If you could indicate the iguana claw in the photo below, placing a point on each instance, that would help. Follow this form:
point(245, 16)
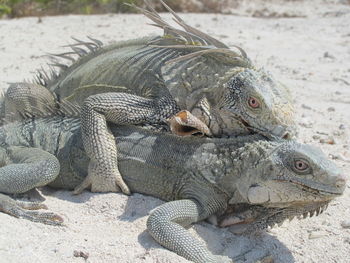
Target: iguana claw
point(22, 209)
point(102, 181)
point(184, 123)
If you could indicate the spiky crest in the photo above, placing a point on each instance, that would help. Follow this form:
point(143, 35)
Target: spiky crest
point(79, 49)
point(192, 39)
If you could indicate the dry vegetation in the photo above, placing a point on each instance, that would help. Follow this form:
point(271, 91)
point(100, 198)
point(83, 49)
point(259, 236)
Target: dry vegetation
point(21, 8)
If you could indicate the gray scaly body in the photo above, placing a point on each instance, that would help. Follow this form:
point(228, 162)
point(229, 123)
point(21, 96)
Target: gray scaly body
point(199, 177)
point(149, 80)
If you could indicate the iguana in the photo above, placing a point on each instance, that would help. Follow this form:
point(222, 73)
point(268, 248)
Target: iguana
point(150, 79)
point(199, 177)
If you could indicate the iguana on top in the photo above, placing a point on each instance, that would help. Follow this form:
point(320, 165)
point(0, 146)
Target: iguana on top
point(199, 177)
point(150, 79)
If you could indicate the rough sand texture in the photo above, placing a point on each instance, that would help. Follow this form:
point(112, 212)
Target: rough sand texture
point(311, 55)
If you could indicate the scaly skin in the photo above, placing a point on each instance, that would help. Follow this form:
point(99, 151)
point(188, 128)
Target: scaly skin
point(199, 177)
point(150, 79)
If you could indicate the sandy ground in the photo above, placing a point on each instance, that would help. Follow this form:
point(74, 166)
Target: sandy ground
point(310, 53)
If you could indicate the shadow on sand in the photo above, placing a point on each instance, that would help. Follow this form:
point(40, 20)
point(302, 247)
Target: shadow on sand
point(241, 248)
point(62, 194)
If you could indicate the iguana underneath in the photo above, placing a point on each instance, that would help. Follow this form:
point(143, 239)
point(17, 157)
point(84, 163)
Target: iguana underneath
point(150, 79)
point(199, 177)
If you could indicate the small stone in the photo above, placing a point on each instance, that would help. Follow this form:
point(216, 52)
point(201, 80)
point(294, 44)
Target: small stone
point(337, 93)
point(328, 55)
point(338, 133)
point(331, 109)
point(330, 140)
point(339, 156)
point(322, 132)
point(325, 223)
point(319, 234)
point(81, 254)
point(347, 240)
point(305, 107)
point(223, 36)
point(345, 224)
point(342, 127)
point(306, 122)
point(316, 137)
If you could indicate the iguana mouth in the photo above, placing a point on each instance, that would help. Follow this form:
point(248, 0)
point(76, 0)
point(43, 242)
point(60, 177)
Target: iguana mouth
point(254, 130)
point(245, 123)
point(316, 191)
point(245, 218)
point(267, 133)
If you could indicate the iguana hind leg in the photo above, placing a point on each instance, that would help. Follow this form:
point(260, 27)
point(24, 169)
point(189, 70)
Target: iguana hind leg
point(23, 169)
point(166, 225)
point(99, 143)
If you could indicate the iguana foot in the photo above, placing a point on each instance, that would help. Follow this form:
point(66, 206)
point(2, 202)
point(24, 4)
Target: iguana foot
point(184, 123)
point(102, 180)
point(21, 209)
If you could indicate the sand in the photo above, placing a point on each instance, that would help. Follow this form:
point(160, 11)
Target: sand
point(310, 53)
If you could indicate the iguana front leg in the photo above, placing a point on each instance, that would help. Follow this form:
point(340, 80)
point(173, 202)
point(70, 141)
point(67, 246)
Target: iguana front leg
point(23, 210)
point(166, 225)
point(99, 143)
point(22, 170)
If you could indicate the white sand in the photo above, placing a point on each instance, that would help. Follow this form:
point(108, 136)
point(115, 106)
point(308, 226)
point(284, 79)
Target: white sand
point(310, 54)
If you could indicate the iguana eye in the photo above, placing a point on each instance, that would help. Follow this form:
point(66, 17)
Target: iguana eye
point(301, 165)
point(253, 102)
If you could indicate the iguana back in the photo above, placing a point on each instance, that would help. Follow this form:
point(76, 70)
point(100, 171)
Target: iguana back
point(129, 66)
point(148, 81)
point(219, 85)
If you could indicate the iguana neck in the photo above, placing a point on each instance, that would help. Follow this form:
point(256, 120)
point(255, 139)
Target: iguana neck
point(208, 107)
point(242, 158)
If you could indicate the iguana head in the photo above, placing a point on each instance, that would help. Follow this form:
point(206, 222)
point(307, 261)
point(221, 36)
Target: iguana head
point(293, 173)
point(289, 179)
point(251, 102)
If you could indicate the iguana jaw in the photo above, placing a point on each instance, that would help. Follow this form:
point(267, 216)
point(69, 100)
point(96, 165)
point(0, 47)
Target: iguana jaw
point(223, 122)
point(281, 193)
point(324, 190)
point(248, 218)
point(276, 132)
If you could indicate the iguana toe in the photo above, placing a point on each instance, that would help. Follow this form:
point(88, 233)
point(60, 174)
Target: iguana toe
point(184, 123)
point(31, 205)
point(23, 210)
point(109, 182)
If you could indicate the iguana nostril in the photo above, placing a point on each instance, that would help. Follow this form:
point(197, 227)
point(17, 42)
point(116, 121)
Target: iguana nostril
point(287, 136)
point(340, 181)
